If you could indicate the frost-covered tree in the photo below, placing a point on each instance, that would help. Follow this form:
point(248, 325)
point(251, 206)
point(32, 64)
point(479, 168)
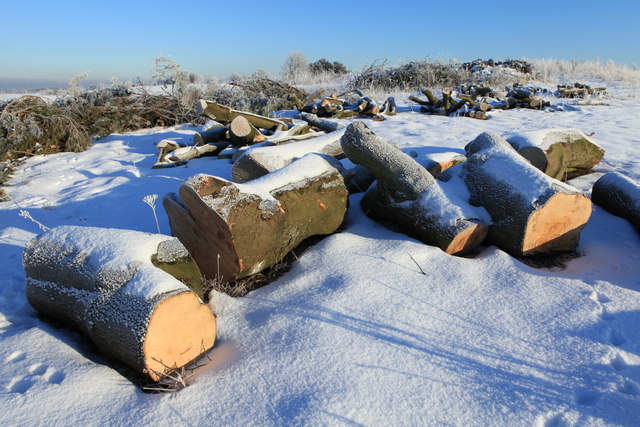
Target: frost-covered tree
point(296, 68)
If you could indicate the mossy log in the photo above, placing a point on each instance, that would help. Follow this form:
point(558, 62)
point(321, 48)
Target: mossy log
point(430, 96)
point(103, 282)
point(219, 112)
point(531, 213)
point(242, 132)
point(236, 230)
point(408, 195)
point(256, 162)
point(568, 152)
point(619, 195)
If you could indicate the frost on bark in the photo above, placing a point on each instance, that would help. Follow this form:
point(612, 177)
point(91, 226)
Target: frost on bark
point(408, 195)
point(619, 195)
point(103, 282)
point(531, 213)
point(235, 230)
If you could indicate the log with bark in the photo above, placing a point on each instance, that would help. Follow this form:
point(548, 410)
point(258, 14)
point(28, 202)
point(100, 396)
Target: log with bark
point(408, 195)
point(322, 124)
point(242, 132)
point(619, 195)
point(256, 162)
point(436, 163)
point(235, 230)
point(531, 213)
point(219, 112)
point(560, 153)
point(103, 282)
point(180, 156)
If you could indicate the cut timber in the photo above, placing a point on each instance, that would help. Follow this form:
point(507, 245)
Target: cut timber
point(531, 212)
point(436, 163)
point(235, 230)
point(180, 156)
point(568, 152)
point(620, 195)
point(389, 107)
point(103, 282)
point(218, 112)
point(322, 124)
point(407, 194)
point(242, 132)
point(260, 161)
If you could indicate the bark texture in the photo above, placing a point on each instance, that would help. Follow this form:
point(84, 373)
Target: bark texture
point(619, 195)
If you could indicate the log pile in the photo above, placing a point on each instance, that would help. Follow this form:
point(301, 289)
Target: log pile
point(346, 105)
point(408, 195)
point(579, 90)
point(232, 131)
point(531, 213)
point(619, 195)
point(112, 285)
point(235, 230)
point(562, 154)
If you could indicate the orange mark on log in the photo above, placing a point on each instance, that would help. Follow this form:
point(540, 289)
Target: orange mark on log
point(322, 205)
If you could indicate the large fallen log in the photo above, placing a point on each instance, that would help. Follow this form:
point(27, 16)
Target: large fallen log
point(560, 153)
point(218, 112)
point(407, 194)
point(531, 213)
point(619, 195)
point(235, 230)
point(254, 163)
point(103, 282)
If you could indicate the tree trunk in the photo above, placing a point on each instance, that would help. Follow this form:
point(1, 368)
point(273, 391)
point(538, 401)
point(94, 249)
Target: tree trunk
point(260, 161)
point(215, 111)
point(242, 132)
point(569, 152)
point(103, 282)
point(407, 194)
point(620, 195)
point(322, 124)
point(389, 107)
point(233, 231)
point(531, 213)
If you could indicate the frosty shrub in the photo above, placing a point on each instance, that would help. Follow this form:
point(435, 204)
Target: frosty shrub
point(378, 76)
point(548, 69)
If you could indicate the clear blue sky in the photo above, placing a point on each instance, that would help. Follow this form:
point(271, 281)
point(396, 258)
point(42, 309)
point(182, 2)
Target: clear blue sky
point(55, 40)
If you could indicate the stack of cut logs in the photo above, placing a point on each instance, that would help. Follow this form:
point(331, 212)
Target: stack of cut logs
point(475, 101)
point(338, 106)
point(578, 90)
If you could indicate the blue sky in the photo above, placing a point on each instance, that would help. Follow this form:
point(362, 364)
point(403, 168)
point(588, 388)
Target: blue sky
point(55, 40)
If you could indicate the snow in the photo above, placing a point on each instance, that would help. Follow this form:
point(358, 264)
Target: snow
point(543, 138)
point(353, 333)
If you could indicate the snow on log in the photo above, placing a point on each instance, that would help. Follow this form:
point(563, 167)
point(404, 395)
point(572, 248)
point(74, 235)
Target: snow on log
point(619, 195)
point(407, 194)
point(256, 162)
point(436, 163)
point(322, 124)
point(103, 281)
point(531, 213)
point(235, 230)
point(215, 111)
point(560, 153)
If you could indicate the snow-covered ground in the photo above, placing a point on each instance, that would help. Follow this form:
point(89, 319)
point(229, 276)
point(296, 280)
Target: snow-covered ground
point(353, 333)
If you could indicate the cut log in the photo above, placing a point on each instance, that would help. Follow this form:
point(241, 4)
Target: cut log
point(215, 111)
point(235, 230)
point(619, 195)
point(407, 194)
point(436, 163)
point(531, 212)
point(260, 161)
point(314, 95)
point(322, 124)
point(420, 101)
point(181, 155)
point(389, 107)
point(569, 152)
point(430, 96)
point(242, 132)
point(103, 282)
